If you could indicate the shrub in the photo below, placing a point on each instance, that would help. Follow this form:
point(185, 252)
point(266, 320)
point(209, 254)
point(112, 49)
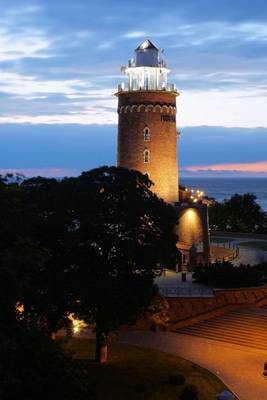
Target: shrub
point(225, 274)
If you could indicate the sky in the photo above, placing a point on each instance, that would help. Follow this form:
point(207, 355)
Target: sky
point(60, 66)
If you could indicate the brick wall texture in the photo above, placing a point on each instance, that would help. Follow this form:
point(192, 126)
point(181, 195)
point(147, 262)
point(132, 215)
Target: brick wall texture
point(156, 111)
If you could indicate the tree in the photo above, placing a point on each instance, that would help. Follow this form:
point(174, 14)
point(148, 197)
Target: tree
point(31, 269)
point(35, 367)
point(225, 274)
point(158, 313)
point(91, 246)
point(122, 236)
point(241, 213)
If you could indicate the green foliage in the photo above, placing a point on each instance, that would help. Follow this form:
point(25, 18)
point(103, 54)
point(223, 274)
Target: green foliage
point(225, 274)
point(158, 312)
point(28, 272)
point(32, 366)
point(122, 235)
point(90, 245)
point(241, 213)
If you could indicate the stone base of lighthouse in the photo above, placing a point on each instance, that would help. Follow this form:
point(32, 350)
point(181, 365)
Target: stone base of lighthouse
point(156, 112)
point(193, 236)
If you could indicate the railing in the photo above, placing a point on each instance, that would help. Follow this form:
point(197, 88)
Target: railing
point(231, 255)
point(170, 87)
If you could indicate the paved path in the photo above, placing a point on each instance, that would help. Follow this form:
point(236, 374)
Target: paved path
point(239, 367)
point(171, 285)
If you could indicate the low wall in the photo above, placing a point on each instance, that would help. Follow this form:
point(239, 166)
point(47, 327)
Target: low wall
point(185, 311)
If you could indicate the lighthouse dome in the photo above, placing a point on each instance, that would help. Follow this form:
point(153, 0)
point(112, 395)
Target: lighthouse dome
point(147, 55)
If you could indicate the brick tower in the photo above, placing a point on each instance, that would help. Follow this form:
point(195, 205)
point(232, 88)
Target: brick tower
point(147, 136)
point(147, 142)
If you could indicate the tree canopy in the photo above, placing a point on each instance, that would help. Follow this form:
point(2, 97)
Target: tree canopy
point(90, 245)
point(241, 213)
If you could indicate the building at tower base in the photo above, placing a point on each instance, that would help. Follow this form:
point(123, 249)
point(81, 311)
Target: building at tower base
point(147, 142)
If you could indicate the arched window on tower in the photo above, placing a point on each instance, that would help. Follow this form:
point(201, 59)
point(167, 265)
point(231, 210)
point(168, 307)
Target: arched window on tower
point(146, 134)
point(146, 156)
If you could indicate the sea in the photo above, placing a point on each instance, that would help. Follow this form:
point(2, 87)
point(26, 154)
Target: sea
point(224, 188)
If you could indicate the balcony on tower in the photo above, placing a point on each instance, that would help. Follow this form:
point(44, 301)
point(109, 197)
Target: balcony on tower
point(146, 71)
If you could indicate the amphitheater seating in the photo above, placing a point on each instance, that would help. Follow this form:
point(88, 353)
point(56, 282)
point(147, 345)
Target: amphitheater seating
point(244, 327)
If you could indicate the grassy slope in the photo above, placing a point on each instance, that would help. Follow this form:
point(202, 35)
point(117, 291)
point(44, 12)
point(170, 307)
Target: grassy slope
point(135, 373)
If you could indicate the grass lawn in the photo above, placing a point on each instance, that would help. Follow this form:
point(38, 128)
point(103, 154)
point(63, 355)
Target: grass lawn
point(261, 245)
point(135, 373)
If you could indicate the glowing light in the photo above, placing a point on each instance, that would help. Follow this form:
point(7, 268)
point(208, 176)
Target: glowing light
point(76, 329)
point(20, 310)
point(77, 324)
point(190, 214)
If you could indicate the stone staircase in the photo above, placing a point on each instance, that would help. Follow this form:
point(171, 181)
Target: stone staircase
point(244, 327)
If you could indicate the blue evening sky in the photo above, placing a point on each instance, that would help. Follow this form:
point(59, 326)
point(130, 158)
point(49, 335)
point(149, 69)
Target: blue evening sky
point(60, 65)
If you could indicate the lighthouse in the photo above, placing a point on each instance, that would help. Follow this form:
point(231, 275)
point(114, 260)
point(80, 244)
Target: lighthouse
point(147, 142)
point(147, 135)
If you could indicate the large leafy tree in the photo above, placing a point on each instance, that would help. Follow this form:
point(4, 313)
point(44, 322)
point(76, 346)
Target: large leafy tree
point(31, 364)
point(20, 254)
point(91, 245)
point(241, 213)
point(35, 367)
point(122, 235)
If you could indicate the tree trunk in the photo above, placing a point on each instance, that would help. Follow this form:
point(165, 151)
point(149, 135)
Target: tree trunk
point(101, 351)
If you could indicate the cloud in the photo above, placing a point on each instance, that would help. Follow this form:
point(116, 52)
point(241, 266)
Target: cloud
point(135, 34)
point(52, 71)
point(228, 108)
point(19, 38)
point(255, 167)
point(25, 85)
point(92, 116)
point(46, 172)
point(196, 34)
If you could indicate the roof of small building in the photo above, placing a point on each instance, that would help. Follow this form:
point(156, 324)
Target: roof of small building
point(147, 44)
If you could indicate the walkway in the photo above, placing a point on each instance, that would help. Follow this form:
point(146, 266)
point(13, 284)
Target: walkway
point(239, 367)
point(171, 285)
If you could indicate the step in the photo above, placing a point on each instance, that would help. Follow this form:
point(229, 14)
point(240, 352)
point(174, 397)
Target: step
point(247, 315)
point(250, 314)
point(257, 345)
point(234, 324)
point(218, 331)
point(229, 334)
point(231, 319)
point(225, 340)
